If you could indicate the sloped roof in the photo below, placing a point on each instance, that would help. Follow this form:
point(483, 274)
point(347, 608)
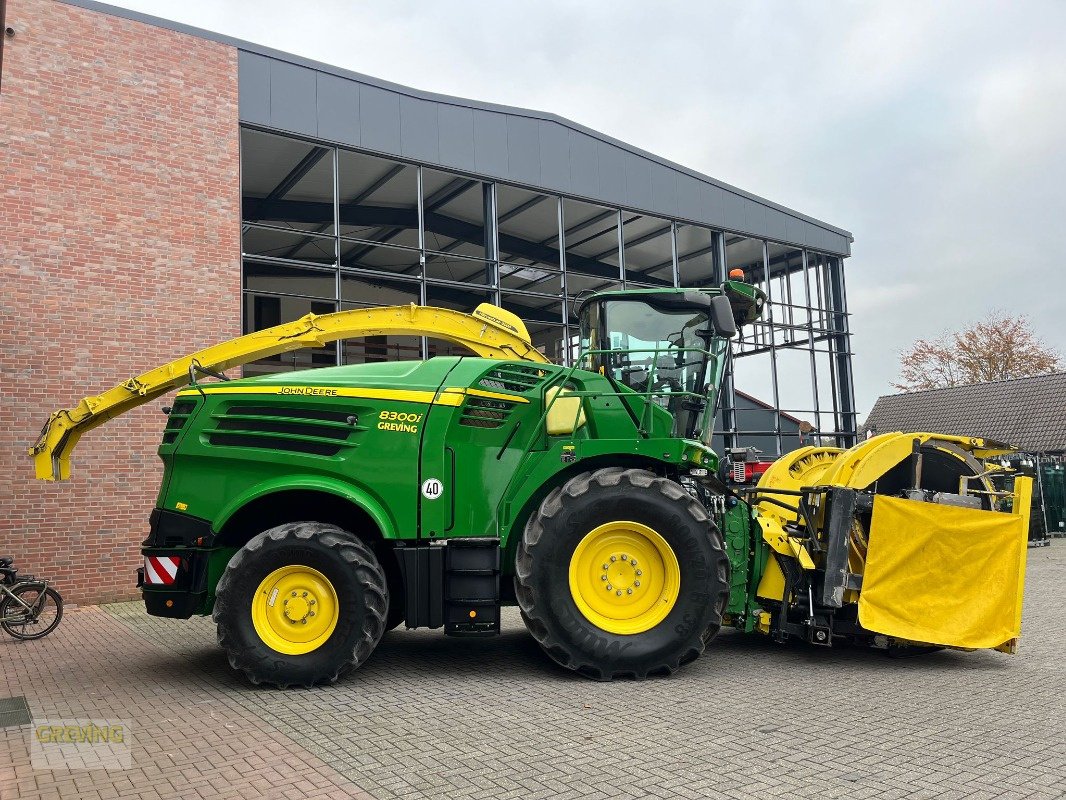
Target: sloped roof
point(767, 406)
point(539, 150)
point(1029, 413)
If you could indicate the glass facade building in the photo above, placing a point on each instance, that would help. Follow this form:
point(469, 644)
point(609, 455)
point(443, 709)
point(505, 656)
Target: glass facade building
point(326, 228)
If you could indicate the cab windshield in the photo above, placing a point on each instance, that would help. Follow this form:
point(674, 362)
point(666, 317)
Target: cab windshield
point(659, 353)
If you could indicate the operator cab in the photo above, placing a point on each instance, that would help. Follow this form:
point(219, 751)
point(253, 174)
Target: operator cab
point(668, 345)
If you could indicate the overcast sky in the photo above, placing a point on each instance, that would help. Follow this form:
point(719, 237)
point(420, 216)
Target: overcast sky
point(934, 131)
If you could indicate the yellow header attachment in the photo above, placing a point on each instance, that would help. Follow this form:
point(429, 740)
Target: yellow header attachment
point(935, 573)
point(490, 332)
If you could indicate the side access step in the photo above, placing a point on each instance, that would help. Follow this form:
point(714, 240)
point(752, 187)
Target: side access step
point(454, 584)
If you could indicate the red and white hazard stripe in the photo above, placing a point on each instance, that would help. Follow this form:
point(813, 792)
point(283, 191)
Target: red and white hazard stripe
point(161, 570)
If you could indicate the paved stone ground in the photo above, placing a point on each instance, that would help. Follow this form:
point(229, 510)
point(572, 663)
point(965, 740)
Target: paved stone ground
point(435, 717)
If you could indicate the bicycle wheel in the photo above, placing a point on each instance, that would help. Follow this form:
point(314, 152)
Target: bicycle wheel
point(23, 625)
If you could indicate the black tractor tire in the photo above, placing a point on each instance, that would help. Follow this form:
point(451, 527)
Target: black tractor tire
point(542, 587)
point(362, 601)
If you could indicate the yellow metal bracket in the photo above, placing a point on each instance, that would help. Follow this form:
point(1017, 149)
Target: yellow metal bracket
point(490, 332)
point(778, 539)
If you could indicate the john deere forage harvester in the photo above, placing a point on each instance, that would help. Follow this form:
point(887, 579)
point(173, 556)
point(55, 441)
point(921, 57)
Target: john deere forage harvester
point(312, 511)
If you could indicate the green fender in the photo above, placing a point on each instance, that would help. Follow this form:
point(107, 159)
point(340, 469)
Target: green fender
point(354, 494)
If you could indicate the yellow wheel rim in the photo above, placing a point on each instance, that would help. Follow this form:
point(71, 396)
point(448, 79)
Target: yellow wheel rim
point(624, 577)
point(295, 610)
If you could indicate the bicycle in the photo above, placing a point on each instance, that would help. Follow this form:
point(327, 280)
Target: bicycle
point(29, 608)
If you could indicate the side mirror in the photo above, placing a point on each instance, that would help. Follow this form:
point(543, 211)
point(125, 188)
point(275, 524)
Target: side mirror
point(722, 317)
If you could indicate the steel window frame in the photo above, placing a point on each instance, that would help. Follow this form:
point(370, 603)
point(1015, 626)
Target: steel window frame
point(825, 304)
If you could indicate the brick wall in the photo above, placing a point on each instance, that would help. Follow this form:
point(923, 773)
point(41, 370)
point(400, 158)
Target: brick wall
point(120, 210)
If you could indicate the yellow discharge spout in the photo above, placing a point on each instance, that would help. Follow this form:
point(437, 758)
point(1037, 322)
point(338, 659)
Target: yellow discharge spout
point(489, 332)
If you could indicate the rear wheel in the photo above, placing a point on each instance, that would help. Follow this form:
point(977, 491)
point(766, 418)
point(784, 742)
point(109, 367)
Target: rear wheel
point(300, 604)
point(621, 574)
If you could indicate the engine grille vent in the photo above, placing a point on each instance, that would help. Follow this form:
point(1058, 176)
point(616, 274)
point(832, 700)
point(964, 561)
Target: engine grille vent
point(313, 431)
point(323, 414)
point(480, 412)
point(513, 378)
point(179, 415)
point(315, 448)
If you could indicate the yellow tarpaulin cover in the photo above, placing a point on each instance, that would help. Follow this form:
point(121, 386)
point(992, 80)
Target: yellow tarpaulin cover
point(943, 575)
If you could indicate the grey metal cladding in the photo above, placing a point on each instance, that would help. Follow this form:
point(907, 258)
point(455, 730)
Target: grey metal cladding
point(752, 215)
point(554, 156)
point(490, 143)
point(418, 130)
point(523, 150)
point(584, 170)
point(612, 165)
point(338, 109)
point(776, 225)
point(638, 181)
point(455, 127)
point(293, 90)
point(664, 190)
point(497, 142)
point(795, 231)
point(689, 197)
point(712, 201)
point(253, 87)
point(822, 239)
point(734, 212)
point(379, 119)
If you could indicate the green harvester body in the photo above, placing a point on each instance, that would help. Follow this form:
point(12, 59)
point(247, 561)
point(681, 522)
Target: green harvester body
point(360, 442)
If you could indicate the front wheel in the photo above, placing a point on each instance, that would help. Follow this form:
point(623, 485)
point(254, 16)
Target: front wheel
point(621, 574)
point(301, 604)
point(45, 610)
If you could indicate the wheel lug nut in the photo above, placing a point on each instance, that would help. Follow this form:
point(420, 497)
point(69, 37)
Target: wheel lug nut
point(619, 593)
point(640, 572)
point(294, 594)
point(609, 587)
point(312, 602)
point(625, 557)
point(605, 566)
point(636, 583)
point(614, 558)
point(629, 591)
point(603, 577)
point(312, 613)
point(305, 594)
point(633, 561)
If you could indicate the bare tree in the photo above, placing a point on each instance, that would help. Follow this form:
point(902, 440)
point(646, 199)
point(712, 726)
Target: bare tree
point(993, 349)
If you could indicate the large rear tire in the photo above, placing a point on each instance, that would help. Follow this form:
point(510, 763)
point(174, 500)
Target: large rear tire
point(586, 603)
point(301, 604)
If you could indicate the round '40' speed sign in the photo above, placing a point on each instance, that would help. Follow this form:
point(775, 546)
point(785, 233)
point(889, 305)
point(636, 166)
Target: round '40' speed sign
point(432, 489)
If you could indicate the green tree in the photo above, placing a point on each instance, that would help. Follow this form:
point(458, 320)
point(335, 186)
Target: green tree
point(994, 349)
